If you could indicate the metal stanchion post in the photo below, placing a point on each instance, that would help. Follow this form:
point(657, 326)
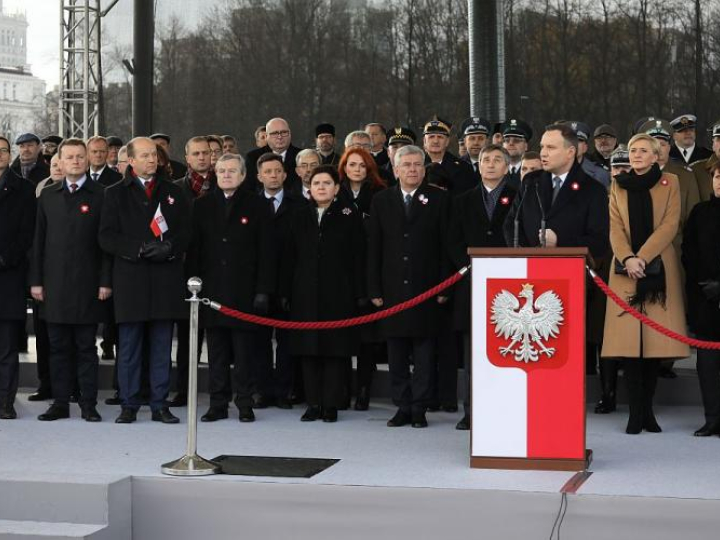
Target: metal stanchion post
point(191, 464)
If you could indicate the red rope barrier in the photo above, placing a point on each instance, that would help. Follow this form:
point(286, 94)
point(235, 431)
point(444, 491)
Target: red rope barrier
point(627, 308)
point(355, 321)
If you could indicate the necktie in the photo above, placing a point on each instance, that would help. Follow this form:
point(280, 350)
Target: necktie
point(685, 154)
point(94, 176)
point(475, 166)
point(272, 203)
point(73, 188)
point(557, 184)
point(149, 185)
point(408, 203)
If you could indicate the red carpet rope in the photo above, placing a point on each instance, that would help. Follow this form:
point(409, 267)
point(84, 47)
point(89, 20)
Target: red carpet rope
point(627, 308)
point(325, 325)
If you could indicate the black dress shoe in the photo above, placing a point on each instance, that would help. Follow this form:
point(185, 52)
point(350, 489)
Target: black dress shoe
point(283, 403)
point(260, 402)
point(433, 407)
point(214, 414)
point(127, 416)
point(449, 407)
point(606, 405)
point(329, 414)
point(55, 412)
point(165, 416)
point(107, 354)
point(297, 399)
point(463, 424)
point(246, 414)
point(634, 425)
point(362, 402)
point(665, 372)
point(115, 400)
point(400, 419)
point(311, 414)
point(650, 423)
point(180, 400)
point(7, 412)
point(40, 395)
point(709, 429)
point(90, 414)
point(419, 420)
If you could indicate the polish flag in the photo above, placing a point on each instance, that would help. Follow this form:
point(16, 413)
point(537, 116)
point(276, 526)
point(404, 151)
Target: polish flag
point(158, 225)
point(528, 405)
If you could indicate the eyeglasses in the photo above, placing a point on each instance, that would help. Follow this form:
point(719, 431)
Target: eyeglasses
point(283, 133)
point(308, 165)
point(4, 151)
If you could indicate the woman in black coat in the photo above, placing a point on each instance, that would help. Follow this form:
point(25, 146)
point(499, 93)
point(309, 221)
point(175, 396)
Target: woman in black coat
point(323, 279)
point(701, 259)
point(360, 181)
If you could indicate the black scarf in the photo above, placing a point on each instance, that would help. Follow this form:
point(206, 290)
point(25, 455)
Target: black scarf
point(640, 209)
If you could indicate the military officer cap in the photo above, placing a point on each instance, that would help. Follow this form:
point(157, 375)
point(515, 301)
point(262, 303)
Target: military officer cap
point(401, 135)
point(686, 121)
point(657, 128)
point(112, 140)
point(497, 127)
point(55, 139)
point(715, 131)
point(581, 129)
point(437, 125)
point(620, 157)
point(26, 138)
point(605, 129)
point(160, 136)
point(324, 128)
point(475, 126)
point(640, 123)
point(516, 128)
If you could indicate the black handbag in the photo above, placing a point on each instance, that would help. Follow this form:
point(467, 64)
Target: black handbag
point(653, 268)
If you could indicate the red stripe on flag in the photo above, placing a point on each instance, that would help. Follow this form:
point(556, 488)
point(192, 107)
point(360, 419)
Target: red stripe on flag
point(556, 397)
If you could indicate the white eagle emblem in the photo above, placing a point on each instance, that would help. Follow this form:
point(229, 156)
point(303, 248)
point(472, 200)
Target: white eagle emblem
point(527, 326)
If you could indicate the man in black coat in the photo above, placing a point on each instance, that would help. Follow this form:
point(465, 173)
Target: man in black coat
point(100, 171)
point(71, 278)
point(685, 150)
point(30, 163)
point(397, 138)
point(574, 206)
point(516, 136)
point(406, 256)
point(178, 169)
point(436, 139)
point(325, 144)
point(17, 222)
point(232, 252)
point(279, 141)
point(145, 227)
point(477, 221)
point(378, 138)
point(474, 132)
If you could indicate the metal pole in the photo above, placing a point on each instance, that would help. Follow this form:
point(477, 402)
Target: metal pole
point(191, 464)
point(142, 89)
point(61, 101)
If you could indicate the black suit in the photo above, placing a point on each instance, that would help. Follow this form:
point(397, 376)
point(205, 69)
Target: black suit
point(699, 153)
point(107, 178)
point(67, 232)
point(461, 176)
point(381, 158)
point(17, 222)
point(292, 182)
point(178, 169)
point(513, 178)
point(579, 217)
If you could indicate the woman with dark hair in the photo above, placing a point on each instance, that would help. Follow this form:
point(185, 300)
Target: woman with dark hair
point(164, 160)
point(644, 218)
point(701, 244)
point(323, 278)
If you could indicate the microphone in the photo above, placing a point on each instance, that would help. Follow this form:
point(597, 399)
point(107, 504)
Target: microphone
point(543, 224)
point(516, 221)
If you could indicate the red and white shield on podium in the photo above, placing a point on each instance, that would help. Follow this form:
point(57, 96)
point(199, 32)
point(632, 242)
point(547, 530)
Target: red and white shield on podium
point(528, 361)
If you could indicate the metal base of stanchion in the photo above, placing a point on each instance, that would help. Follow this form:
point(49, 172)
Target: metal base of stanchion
point(190, 466)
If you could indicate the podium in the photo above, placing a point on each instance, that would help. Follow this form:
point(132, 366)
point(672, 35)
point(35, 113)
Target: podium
point(528, 359)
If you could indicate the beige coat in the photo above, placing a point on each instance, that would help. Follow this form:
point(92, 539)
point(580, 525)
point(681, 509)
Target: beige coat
point(702, 175)
point(624, 334)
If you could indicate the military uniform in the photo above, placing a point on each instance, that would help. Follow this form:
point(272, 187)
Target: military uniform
point(698, 153)
point(521, 129)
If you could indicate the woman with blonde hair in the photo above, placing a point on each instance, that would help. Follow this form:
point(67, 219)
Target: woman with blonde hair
point(644, 218)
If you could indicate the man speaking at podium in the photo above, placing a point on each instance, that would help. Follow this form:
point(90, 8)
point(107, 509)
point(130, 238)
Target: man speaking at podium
point(560, 206)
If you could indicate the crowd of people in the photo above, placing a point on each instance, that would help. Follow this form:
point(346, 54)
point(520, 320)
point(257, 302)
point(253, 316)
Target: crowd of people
point(99, 232)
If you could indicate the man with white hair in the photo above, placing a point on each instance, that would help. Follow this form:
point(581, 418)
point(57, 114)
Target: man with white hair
point(279, 141)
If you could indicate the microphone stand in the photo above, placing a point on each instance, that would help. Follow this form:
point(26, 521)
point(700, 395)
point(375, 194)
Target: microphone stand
point(543, 224)
point(516, 221)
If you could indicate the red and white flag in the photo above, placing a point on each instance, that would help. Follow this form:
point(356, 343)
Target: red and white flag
point(528, 343)
point(158, 225)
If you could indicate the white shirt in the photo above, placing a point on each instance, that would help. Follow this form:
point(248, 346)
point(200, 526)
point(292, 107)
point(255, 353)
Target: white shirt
point(411, 193)
point(281, 155)
point(278, 198)
point(99, 173)
point(320, 212)
point(306, 192)
point(79, 183)
point(562, 178)
point(686, 153)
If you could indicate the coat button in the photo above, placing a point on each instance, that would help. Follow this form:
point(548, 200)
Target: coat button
point(489, 233)
point(405, 258)
point(224, 239)
point(406, 235)
point(223, 262)
point(405, 281)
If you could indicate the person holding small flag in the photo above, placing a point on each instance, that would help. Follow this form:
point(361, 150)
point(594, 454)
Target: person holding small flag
point(144, 227)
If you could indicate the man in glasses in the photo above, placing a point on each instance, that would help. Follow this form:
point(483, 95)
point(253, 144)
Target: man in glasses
point(279, 141)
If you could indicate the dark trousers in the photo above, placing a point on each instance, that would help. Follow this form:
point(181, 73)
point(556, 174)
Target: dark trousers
point(708, 370)
point(109, 332)
point(325, 378)
point(42, 350)
point(411, 393)
point(448, 349)
point(228, 346)
point(641, 376)
point(9, 360)
point(73, 357)
point(269, 380)
point(371, 354)
point(131, 337)
point(182, 355)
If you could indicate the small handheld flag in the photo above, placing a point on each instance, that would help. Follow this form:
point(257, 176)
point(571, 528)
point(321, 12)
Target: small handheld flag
point(158, 225)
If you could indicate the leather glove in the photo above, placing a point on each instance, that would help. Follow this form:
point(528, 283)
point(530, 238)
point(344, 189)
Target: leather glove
point(711, 289)
point(362, 303)
point(285, 305)
point(261, 304)
point(157, 251)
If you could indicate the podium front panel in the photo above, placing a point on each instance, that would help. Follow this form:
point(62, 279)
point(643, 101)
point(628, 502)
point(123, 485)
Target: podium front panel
point(528, 358)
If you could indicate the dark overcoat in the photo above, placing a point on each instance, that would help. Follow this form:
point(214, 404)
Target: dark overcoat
point(67, 260)
point(292, 182)
point(324, 277)
point(408, 255)
point(461, 175)
point(281, 226)
point(232, 252)
point(39, 172)
point(17, 222)
point(144, 290)
point(470, 226)
point(108, 177)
